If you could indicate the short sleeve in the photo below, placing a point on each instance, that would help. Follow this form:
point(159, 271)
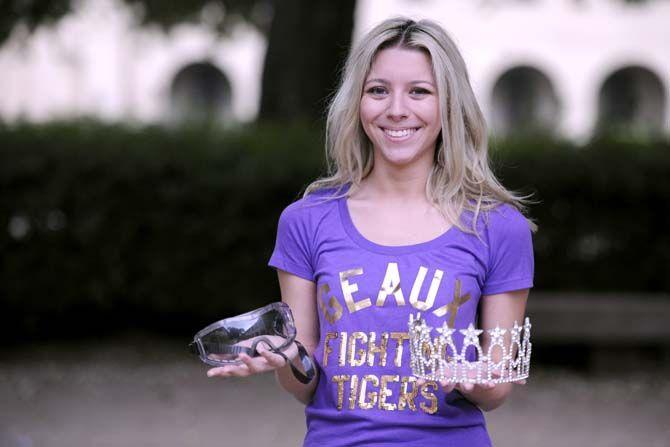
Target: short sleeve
point(511, 264)
point(292, 252)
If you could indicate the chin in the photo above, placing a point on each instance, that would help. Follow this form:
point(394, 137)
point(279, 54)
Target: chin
point(399, 159)
point(402, 156)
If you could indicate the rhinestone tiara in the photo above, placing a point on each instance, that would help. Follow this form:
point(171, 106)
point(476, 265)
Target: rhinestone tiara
point(507, 359)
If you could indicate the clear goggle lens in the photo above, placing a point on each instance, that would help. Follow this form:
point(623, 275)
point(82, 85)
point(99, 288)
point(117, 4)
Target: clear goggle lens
point(222, 343)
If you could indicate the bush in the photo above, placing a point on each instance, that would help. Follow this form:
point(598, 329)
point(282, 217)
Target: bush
point(171, 229)
point(602, 211)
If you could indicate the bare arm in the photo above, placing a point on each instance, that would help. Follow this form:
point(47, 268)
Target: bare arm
point(300, 295)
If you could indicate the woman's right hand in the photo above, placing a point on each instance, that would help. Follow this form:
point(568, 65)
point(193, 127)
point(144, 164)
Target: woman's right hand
point(265, 362)
point(300, 295)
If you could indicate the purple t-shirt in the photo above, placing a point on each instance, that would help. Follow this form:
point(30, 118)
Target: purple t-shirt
point(366, 395)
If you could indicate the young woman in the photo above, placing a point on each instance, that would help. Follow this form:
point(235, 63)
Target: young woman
point(411, 219)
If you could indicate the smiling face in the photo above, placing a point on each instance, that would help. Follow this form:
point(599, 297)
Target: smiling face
point(399, 109)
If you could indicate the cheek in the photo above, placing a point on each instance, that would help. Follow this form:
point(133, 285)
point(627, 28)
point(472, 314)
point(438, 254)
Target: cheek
point(369, 111)
point(431, 116)
point(430, 113)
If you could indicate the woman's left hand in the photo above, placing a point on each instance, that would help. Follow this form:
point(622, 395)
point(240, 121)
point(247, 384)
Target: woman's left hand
point(469, 387)
point(463, 387)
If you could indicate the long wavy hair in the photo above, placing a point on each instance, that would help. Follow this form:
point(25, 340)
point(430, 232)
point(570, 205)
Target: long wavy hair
point(461, 178)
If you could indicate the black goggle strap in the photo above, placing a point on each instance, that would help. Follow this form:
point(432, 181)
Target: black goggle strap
point(305, 360)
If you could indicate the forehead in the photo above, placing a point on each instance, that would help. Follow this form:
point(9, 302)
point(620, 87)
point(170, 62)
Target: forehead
point(402, 64)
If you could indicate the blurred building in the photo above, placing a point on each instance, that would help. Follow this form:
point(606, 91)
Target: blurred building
point(568, 67)
point(100, 62)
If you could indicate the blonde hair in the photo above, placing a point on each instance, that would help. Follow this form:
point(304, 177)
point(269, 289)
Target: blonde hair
point(461, 178)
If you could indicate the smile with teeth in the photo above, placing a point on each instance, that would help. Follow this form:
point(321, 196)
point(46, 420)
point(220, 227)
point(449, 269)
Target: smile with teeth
point(400, 133)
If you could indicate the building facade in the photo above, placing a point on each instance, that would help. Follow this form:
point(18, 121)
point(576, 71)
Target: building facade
point(567, 67)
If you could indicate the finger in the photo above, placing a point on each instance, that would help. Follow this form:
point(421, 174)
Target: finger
point(228, 371)
point(274, 360)
point(448, 387)
point(467, 386)
point(520, 382)
point(420, 381)
point(218, 371)
point(252, 364)
point(239, 371)
point(487, 385)
point(260, 364)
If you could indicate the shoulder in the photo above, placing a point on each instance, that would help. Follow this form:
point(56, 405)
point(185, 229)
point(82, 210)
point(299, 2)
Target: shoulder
point(310, 208)
point(505, 217)
point(499, 218)
point(499, 226)
point(508, 237)
point(506, 229)
point(505, 213)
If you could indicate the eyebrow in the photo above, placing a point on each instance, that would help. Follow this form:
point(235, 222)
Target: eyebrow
point(385, 82)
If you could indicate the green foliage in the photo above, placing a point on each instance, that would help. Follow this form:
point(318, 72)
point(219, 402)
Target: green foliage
point(219, 14)
point(30, 13)
point(602, 211)
point(171, 229)
point(125, 223)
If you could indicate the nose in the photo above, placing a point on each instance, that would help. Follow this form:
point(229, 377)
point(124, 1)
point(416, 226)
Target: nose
point(397, 108)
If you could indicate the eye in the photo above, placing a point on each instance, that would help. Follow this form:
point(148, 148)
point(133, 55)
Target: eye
point(419, 91)
point(376, 90)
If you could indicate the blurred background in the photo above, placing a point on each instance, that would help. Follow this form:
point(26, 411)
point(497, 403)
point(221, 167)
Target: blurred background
point(147, 149)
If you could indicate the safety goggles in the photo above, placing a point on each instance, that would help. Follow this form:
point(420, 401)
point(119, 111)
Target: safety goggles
point(221, 343)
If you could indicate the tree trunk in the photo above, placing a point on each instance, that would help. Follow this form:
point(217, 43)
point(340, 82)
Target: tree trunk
point(307, 44)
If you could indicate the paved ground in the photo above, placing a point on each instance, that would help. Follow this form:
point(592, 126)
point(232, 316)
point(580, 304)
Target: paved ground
point(139, 391)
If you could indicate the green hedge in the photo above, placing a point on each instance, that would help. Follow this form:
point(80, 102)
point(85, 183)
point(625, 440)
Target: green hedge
point(119, 227)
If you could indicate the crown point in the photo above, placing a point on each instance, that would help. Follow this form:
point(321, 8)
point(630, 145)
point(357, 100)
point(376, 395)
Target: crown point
point(445, 330)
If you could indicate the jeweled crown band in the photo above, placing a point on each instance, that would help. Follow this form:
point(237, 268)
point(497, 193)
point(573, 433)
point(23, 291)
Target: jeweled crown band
point(437, 358)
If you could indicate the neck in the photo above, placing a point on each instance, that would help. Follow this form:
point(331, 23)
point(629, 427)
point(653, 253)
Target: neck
point(398, 183)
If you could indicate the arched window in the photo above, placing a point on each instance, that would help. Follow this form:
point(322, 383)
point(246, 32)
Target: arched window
point(200, 93)
point(633, 101)
point(524, 102)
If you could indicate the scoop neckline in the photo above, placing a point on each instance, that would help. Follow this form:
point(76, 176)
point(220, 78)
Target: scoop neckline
point(363, 242)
